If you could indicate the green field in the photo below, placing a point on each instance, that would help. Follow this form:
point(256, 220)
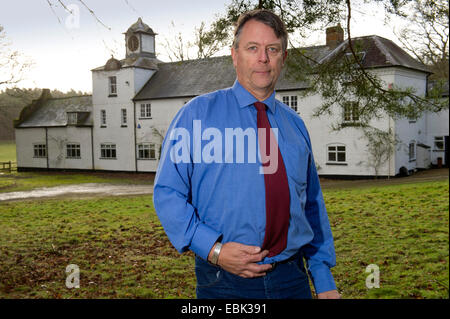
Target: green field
point(122, 250)
point(7, 151)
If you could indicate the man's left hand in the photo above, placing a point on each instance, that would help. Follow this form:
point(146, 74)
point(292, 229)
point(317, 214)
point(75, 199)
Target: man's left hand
point(332, 294)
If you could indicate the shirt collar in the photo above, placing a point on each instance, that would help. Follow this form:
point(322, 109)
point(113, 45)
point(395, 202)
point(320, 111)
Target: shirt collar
point(245, 98)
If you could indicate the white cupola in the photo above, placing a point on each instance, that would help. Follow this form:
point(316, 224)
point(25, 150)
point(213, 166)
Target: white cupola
point(140, 40)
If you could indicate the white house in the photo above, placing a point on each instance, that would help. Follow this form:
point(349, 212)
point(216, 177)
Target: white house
point(122, 125)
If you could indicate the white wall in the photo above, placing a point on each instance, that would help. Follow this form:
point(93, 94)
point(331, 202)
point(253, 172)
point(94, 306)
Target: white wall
point(129, 82)
point(58, 137)
point(436, 125)
point(163, 112)
point(409, 131)
point(25, 138)
point(321, 134)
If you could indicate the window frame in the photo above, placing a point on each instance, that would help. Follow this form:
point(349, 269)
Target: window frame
point(112, 86)
point(412, 152)
point(336, 152)
point(144, 149)
point(145, 111)
point(103, 118)
point(72, 118)
point(123, 117)
point(105, 147)
point(441, 140)
point(350, 113)
point(291, 101)
point(72, 148)
point(39, 150)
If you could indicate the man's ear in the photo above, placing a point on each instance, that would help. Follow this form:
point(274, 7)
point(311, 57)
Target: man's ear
point(285, 56)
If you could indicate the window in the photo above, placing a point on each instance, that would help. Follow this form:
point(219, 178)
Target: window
point(336, 154)
point(40, 150)
point(146, 110)
point(107, 151)
point(103, 118)
point(412, 151)
point(291, 101)
point(351, 112)
point(112, 86)
point(73, 150)
point(146, 151)
point(124, 117)
point(438, 143)
point(71, 118)
point(354, 62)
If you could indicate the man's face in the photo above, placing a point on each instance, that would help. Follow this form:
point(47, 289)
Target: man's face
point(258, 59)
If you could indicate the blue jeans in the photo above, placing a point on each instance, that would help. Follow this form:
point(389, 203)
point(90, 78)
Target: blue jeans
point(287, 280)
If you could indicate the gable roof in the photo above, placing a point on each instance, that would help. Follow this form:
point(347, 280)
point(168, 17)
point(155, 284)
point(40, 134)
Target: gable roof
point(379, 52)
point(52, 112)
point(196, 77)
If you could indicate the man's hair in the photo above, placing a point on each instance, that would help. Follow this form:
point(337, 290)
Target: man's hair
point(264, 16)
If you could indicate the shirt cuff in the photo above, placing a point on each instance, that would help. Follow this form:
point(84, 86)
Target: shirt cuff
point(323, 279)
point(203, 240)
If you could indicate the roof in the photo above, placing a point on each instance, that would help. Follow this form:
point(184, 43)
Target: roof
point(53, 112)
point(140, 26)
point(133, 61)
point(379, 52)
point(196, 77)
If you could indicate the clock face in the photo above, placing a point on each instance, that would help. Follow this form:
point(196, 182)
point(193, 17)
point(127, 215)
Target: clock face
point(133, 43)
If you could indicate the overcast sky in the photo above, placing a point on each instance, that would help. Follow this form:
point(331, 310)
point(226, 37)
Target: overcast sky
point(64, 51)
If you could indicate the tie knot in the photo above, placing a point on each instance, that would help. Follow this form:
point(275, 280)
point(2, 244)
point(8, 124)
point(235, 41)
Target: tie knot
point(260, 106)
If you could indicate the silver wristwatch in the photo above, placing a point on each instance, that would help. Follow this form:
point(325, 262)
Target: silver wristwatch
point(216, 252)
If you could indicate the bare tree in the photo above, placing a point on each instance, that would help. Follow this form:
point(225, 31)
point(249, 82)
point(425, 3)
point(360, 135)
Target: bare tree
point(177, 47)
point(13, 65)
point(427, 37)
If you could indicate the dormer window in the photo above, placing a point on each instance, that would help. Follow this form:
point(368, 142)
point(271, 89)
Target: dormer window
point(72, 118)
point(112, 86)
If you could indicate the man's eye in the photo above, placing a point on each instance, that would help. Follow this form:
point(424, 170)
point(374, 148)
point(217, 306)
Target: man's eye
point(273, 50)
point(252, 48)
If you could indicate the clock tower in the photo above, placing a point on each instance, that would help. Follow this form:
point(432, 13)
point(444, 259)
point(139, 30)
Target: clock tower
point(140, 40)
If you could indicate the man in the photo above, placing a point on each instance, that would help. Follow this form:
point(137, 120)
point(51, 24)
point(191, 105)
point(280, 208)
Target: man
point(249, 223)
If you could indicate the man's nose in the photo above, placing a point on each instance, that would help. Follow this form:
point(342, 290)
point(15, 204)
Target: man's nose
point(263, 56)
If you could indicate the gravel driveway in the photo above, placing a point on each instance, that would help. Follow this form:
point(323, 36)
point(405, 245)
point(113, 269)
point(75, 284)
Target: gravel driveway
point(80, 190)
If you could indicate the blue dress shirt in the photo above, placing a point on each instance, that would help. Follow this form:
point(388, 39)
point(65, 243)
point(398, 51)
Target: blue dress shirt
point(199, 200)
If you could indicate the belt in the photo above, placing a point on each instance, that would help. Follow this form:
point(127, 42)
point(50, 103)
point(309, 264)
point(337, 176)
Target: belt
point(296, 256)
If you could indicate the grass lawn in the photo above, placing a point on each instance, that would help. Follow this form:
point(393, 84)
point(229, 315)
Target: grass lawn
point(123, 252)
point(7, 151)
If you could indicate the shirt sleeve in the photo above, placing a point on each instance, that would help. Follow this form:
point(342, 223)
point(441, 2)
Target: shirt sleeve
point(319, 253)
point(172, 191)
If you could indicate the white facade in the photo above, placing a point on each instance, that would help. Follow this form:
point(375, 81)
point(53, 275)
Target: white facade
point(126, 135)
point(55, 140)
point(117, 126)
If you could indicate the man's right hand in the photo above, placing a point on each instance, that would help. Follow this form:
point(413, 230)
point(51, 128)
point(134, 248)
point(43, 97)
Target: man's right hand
point(241, 260)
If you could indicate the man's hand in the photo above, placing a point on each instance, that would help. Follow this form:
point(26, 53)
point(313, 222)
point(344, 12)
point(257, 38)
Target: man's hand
point(332, 294)
point(242, 260)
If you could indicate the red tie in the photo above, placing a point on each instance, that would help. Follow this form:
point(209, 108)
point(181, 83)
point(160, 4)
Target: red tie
point(277, 189)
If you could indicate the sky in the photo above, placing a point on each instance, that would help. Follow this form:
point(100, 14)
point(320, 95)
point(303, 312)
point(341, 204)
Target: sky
point(64, 48)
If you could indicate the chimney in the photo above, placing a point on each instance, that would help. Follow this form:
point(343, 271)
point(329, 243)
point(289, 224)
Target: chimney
point(335, 36)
